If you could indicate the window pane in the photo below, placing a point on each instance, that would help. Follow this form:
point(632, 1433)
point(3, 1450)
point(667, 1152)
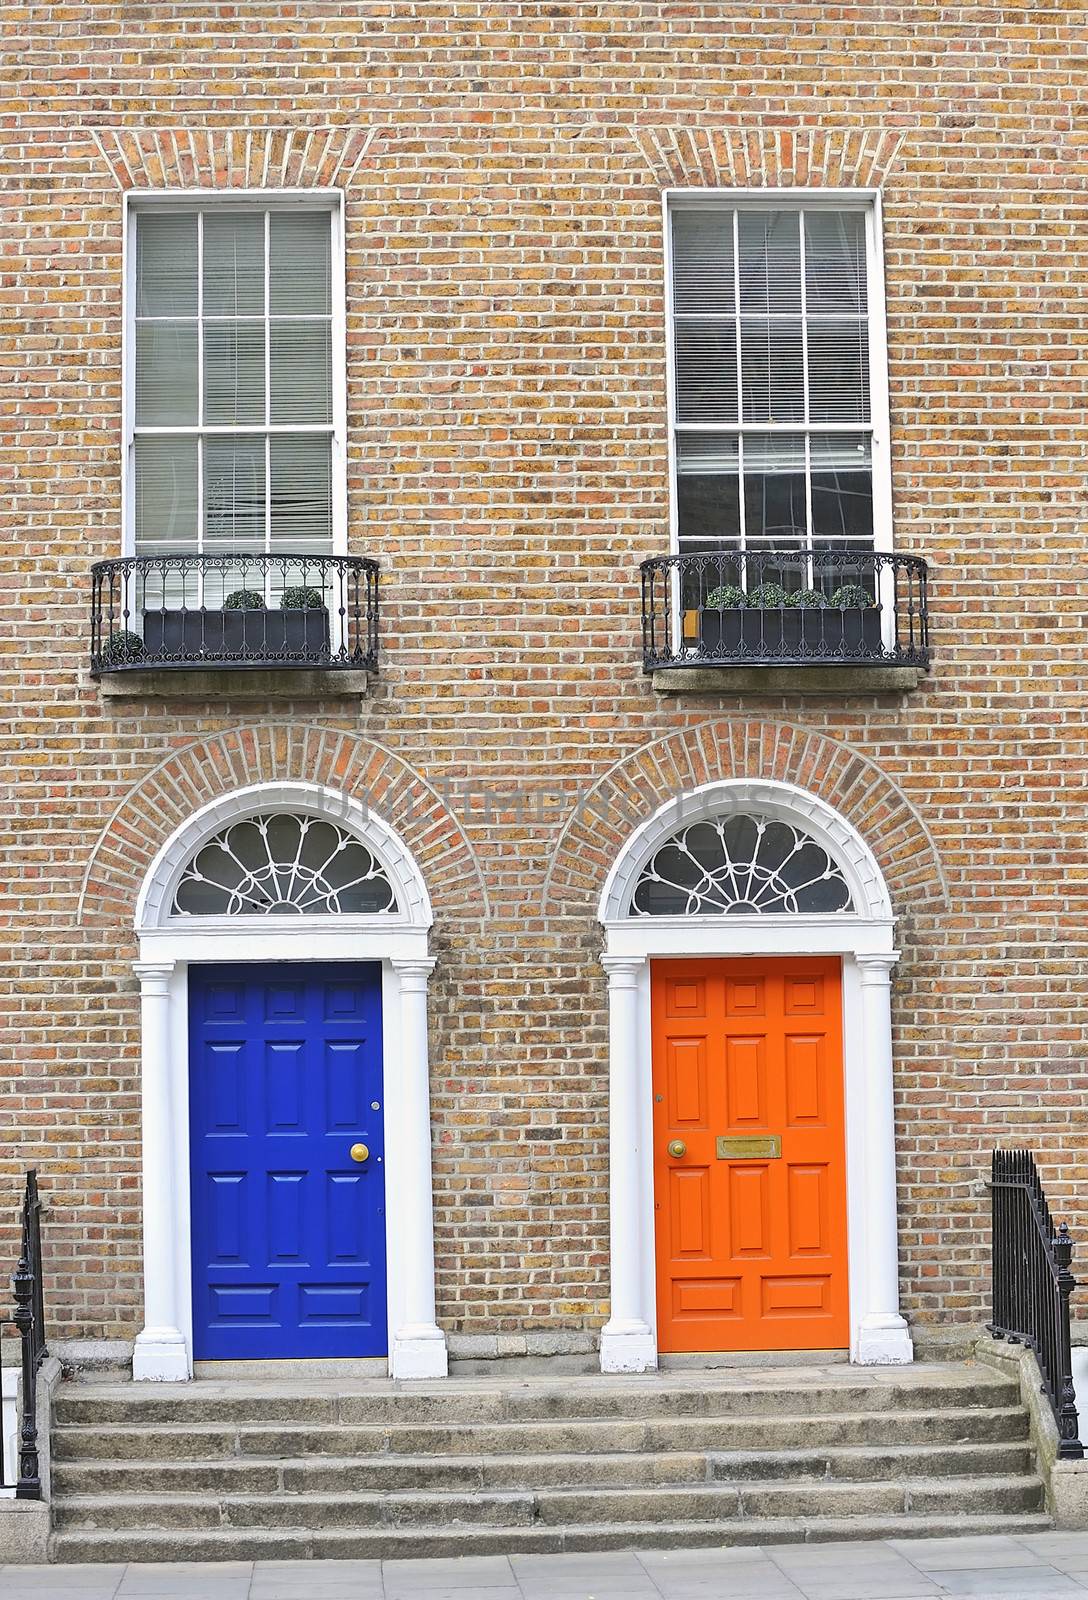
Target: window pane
point(842, 487)
point(770, 261)
point(234, 510)
point(301, 367)
point(165, 374)
point(772, 370)
point(707, 488)
point(838, 371)
point(706, 372)
point(702, 261)
point(301, 493)
point(708, 510)
point(233, 264)
point(165, 509)
point(835, 261)
point(166, 265)
point(233, 372)
point(300, 264)
point(774, 488)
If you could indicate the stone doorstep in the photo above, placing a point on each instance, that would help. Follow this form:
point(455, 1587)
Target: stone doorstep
point(273, 1381)
point(233, 684)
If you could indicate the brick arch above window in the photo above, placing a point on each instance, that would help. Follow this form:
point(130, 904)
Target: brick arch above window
point(240, 157)
point(701, 155)
point(599, 828)
point(209, 769)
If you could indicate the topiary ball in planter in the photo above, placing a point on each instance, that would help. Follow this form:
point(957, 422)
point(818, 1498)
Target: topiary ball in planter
point(302, 599)
point(726, 597)
point(244, 600)
point(851, 597)
point(767, 596)
point(806, 600)
point(121, 648)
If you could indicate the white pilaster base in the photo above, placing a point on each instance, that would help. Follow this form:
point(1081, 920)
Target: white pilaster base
point(883, 1341)
point(160, 1356)
point(628, 1348)
point(419, 1351)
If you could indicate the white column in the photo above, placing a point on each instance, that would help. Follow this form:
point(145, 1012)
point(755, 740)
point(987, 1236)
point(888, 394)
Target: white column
point(160, 1354)
point(627, 1339)
point(882, 1335)
point(419, 1345)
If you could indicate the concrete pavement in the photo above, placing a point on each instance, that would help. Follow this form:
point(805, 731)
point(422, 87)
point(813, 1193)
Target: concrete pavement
point(1039, 1566)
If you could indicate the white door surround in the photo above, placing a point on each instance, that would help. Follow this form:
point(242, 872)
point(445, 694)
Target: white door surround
point(863, 938)
point(169, 944)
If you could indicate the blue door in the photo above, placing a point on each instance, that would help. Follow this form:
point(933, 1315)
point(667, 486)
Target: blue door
point(285, 1075)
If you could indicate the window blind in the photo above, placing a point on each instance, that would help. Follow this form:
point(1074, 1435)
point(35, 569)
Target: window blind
point(233, 397)
point(771, 371)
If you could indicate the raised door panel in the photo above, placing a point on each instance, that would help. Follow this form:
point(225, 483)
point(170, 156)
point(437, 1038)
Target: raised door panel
point(748, 1199)
point(745, 1083)
point(689, 1195)
point(687, 1083)
point(806, 1091)
point(286, 1213)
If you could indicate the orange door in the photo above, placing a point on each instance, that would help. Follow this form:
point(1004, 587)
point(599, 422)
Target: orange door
point(751, 1246)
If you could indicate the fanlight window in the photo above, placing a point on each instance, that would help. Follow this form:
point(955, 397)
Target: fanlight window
point(739, 865)
point(283, 864)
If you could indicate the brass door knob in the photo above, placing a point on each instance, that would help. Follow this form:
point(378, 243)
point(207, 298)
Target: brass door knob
point(359, 1152)
point(677, 1148)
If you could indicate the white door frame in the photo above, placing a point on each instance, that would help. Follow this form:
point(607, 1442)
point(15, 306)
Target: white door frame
point(169, 944)
point(864, 940)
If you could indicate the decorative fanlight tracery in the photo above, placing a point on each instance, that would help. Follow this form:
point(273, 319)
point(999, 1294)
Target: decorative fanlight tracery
point(740, 864)
point(283, 864)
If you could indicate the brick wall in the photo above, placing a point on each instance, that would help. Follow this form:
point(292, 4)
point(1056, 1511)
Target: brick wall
point(502, 165)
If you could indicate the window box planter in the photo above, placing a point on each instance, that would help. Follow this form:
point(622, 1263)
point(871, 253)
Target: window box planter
point(193, 638)
point(789, 632)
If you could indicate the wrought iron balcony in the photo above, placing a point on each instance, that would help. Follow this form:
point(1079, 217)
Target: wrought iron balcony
point(784, 608)
point(178, 612)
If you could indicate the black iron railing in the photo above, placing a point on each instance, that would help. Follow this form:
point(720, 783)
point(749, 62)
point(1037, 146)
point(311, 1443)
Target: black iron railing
point(784, 607)
point(247, 611)
point(1032, 1284)
point(29, 1318)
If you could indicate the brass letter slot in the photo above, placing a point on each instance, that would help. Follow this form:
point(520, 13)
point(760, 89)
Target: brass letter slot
point(768, 1149)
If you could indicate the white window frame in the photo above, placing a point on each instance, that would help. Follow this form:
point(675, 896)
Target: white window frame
point(323, 200)
point(866, 201)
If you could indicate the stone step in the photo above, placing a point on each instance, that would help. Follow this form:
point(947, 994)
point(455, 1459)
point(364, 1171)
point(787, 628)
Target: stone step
point(327, 1475)
point(668, 1503)
point(555, 1507)
point(236, 1544)
point(368, 1510)
point(869, 1463)
point(189, 1405)
point(210, 1442)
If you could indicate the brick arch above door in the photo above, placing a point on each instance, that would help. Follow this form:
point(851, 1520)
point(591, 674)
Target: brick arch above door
point(210, 768)
point(636, 786)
